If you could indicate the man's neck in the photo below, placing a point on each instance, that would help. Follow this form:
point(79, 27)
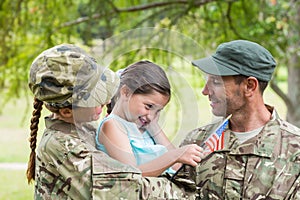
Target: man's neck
point(250, 120)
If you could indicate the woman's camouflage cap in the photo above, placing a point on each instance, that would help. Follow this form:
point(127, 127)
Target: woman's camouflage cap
point(66, 75)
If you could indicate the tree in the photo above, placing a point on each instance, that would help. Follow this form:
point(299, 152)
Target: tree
point(32, 26)
point(27, 27)
point(293, 61)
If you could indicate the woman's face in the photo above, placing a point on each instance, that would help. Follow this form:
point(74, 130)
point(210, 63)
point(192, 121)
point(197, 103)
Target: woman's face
point(81, 114)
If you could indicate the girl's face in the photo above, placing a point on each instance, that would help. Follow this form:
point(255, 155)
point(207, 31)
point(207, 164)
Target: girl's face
point(143, 108)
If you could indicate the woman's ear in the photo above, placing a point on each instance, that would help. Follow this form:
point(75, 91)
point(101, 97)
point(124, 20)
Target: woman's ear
point(66, 112)
point(251, 86)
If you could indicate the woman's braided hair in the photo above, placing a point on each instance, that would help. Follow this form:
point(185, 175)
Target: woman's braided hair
point(36, 114)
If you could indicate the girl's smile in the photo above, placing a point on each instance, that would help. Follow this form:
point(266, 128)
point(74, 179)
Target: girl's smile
point(143, 108)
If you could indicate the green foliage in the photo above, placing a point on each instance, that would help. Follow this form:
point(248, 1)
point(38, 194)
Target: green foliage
point(29, 26)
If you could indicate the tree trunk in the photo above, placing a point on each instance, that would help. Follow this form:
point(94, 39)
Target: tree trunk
point(293, 111)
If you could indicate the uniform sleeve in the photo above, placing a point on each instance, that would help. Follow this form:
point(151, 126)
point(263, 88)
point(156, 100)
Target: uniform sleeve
point(71, 171)
point(76, 168)
point(63, 168)
point(114, 180)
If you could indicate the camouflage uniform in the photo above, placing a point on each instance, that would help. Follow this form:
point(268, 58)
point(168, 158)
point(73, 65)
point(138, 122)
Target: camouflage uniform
point(67, 167)
point(67, 164)
point(264, 167)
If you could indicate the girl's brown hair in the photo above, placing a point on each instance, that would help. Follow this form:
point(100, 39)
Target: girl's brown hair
point(144, 77)
point(36, 114)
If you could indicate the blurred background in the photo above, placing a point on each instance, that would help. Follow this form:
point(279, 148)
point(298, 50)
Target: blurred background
point(117, 33)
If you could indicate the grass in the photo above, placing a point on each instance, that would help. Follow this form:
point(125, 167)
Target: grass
point(15, 132)
point(14, 185)
point(14, 147)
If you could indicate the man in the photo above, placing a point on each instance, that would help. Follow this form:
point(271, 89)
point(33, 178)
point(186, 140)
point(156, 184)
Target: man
point(261, 154)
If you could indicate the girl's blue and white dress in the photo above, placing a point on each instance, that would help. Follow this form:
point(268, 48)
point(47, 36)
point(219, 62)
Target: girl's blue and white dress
point(142, 144)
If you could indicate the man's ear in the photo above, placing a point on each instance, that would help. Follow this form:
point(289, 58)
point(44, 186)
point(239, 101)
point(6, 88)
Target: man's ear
point(66, 112)
point(251, 86)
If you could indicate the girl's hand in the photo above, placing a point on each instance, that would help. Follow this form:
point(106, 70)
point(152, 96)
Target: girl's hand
point(190, 154)
point(153, 128)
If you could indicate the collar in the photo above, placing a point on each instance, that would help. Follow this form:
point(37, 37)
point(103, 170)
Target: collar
point(59, 125)
point(262, 144)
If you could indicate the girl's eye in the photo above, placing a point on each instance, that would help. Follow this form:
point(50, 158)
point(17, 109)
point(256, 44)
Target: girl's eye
point(149, 106)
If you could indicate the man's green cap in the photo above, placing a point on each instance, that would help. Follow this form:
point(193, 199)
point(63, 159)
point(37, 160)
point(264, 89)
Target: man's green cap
point(66, 75)
point(239, 57)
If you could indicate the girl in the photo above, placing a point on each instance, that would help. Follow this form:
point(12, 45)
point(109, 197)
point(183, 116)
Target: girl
point(131, 133)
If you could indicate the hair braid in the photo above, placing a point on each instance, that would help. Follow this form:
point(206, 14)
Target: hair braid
point(36, 114)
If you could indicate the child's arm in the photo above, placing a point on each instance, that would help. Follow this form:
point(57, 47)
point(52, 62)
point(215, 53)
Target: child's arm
point(160, 137)
point(115, 139)
point(189, 154)
point(158, 134)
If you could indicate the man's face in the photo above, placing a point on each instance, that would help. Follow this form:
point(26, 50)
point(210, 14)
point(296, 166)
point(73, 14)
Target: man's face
point(225, 94)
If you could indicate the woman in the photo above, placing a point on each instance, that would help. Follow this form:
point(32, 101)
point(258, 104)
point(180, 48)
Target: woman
point(74, 88)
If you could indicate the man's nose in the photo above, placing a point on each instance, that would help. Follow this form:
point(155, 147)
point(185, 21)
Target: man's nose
point(205, 90)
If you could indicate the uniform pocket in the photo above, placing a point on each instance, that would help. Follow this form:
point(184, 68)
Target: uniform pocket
point(116, 186)
point(113, 180)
